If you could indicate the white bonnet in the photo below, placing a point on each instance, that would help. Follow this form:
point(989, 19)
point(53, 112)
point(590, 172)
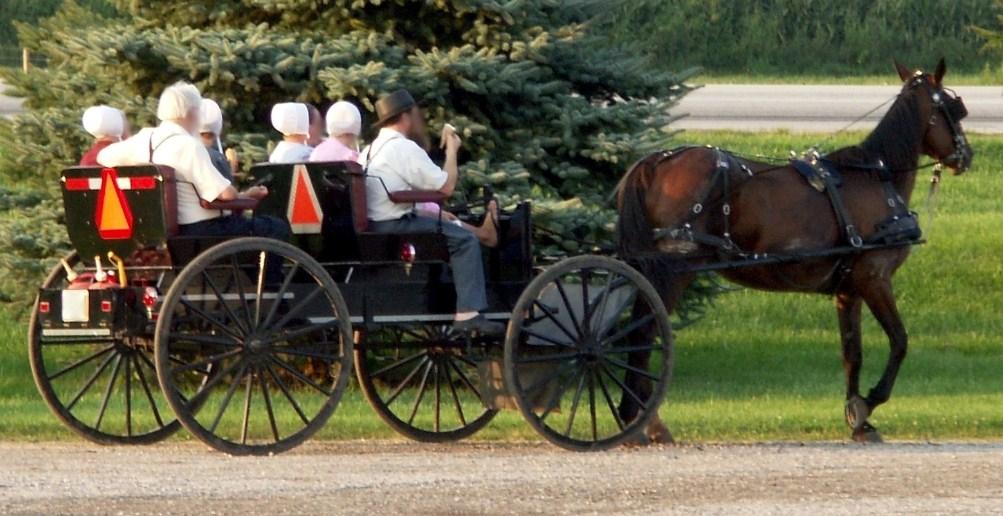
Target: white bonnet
point(103, 122)
point(290, 118)
point(343, 118)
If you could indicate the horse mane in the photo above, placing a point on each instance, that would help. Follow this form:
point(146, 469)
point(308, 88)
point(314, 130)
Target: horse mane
point(895, 139)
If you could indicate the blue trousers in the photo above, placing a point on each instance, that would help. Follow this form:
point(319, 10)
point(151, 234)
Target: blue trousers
point(238, 226)
point(464, 257)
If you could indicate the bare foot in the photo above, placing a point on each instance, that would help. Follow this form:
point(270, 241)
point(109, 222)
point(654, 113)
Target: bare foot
point(487, 233)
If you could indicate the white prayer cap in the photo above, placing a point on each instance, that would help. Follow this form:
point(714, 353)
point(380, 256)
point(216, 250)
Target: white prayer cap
point(343, 118)
point(103, 122)
point(211, 118)
point(291, 118)
point(177, 100)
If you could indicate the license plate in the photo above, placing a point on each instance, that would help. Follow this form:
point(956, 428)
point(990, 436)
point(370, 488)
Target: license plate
point(76, 305)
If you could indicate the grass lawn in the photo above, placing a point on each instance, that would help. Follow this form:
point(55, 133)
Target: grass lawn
point(767, 366)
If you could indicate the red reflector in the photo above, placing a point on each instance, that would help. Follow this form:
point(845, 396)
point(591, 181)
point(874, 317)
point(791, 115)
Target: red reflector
point(143, 183)
point(43, 307)
point(150, 297)
point(75, 184)
point(408, 253)
point(105, 306)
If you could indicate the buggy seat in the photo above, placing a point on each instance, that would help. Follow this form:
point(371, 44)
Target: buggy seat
point(325, 204)
point(129, 211)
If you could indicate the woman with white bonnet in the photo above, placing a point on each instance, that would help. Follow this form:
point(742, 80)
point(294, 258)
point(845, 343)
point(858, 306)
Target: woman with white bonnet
point(344, 123)
point(210, 129)
point(106, 124)
point(292, 119)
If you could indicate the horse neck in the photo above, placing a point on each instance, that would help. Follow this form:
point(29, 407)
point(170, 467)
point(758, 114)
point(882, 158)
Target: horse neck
point(898, 142)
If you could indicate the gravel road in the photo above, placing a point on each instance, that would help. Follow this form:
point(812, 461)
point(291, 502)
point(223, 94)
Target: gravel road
point(395, 477)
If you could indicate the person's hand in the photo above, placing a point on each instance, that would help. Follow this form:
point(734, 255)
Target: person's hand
point(256, 192)
point(233, 159)
point(449, 140)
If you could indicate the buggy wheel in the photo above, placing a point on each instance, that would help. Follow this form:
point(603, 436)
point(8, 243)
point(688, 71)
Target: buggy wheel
point(105, 390)
point(279, 351)
point(423, 382)
point(588, 353)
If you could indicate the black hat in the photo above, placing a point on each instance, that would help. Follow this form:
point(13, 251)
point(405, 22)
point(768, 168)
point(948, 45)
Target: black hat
point(392, 105)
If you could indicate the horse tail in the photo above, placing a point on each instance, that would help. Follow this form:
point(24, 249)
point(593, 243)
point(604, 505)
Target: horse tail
point(634, 232)
point(636, 242)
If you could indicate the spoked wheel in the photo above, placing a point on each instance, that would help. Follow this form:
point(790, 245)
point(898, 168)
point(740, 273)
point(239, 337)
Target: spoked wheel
point(588, 354)
point(423, 381)
point(279, 347)
point(104, 389)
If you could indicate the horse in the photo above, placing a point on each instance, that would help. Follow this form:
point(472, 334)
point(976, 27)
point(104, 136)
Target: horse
point(700, 204)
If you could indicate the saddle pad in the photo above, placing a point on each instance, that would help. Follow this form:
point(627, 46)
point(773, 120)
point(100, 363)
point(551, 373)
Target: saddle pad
point(814, 173)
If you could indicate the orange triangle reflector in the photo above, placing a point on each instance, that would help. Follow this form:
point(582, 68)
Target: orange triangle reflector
point(113, 215)
point(304, 213)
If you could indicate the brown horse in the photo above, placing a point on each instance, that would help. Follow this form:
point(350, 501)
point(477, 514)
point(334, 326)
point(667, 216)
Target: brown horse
point(702, 205)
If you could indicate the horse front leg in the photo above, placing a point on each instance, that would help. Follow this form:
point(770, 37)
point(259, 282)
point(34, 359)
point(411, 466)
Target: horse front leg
point(848, 306)
point(881, 301)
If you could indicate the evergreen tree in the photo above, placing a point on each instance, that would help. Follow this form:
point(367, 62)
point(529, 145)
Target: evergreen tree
point(548, 111)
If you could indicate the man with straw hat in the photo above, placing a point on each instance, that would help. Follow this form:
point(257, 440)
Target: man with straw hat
point(400, 163)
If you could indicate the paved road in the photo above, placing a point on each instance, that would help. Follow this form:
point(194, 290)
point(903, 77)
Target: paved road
point(794, 107)
point(391, 477)
point(801, 108)
point(8, 106)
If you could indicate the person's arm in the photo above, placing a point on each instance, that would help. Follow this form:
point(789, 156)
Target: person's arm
point(210, 183)
point(452, 143)
point(123, 153)
point(231, 193)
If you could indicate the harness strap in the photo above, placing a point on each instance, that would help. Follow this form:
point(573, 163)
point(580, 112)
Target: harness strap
point(836, 200)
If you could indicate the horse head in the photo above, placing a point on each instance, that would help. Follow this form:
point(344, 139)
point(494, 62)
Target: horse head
point(943, 139)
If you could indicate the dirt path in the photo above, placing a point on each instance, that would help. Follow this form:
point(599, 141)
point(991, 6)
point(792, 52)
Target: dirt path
point(393, 477)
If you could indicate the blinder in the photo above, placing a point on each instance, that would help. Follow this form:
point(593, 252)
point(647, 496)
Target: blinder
point(955, 108)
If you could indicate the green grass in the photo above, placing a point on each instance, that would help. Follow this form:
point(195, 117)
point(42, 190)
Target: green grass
point(767, 366)
point(985, 78)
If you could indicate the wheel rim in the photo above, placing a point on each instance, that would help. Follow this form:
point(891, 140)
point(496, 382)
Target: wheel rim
point(423, 381)
point(105, 390)
point(279, 365)
point(575, 353)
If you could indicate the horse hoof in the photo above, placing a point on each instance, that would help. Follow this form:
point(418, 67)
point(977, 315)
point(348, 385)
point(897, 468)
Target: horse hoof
point(867, 434)
point(857, 413)
point(638, 440)
point(658, 433)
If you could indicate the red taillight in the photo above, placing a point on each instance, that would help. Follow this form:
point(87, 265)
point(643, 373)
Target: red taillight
point(43, 307)
point(408, 253)
point(106, 306)
point(142, 183)
point(150, 297)
point(76, 184)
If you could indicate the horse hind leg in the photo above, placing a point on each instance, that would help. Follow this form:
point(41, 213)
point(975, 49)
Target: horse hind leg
point(656, 431)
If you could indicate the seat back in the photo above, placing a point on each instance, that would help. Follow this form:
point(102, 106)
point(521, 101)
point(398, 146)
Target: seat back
point(360, 210)
point(320, 203)
point(124, 210)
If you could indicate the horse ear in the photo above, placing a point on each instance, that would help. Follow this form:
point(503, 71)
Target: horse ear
point(938, 75)
point(904, 72)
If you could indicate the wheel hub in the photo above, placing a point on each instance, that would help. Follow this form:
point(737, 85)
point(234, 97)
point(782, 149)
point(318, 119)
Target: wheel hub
point(256, 346)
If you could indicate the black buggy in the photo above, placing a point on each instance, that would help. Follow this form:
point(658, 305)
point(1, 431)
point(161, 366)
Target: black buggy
point(141, 331)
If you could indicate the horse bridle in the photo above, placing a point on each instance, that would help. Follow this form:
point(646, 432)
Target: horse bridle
point(953, 109)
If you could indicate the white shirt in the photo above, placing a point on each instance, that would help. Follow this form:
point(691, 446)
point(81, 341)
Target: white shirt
point(176, 148)
point(289, 152)
point(402, 165)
